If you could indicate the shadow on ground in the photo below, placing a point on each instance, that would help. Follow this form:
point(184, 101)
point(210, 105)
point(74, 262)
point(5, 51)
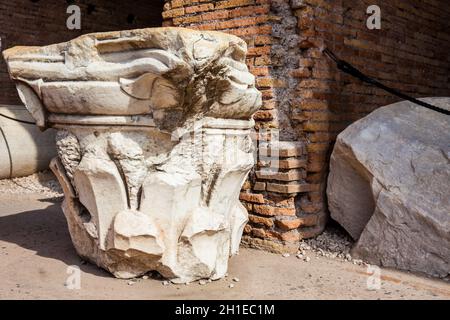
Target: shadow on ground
point(45, 232)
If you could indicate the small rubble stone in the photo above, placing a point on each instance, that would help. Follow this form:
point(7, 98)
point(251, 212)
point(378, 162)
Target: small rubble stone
point(44, 183)
point(333, 243)
point(357, 262)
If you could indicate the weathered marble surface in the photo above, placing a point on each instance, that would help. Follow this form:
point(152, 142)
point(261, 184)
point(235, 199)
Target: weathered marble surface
point(389, 187)
point(153, 143)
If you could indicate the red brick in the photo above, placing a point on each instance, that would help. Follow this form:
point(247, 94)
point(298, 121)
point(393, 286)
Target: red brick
point(291, 163)
point(251, 197)
point(264, 115)
point(199, 8)
point(290, 175)
point(267, 210)
point(173, 13)
point(233, 3)
point(261, 220)
point(288, 188)
point(292, 236)
point(289, 224)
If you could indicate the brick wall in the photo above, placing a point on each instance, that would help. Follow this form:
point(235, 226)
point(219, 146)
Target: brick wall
point(411, 52)
point(42, 22)
point(307, 99)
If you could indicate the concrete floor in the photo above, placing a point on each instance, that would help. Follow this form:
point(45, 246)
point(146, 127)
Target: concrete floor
point(35, 252)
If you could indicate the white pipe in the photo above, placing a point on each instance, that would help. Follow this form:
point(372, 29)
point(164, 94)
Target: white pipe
point(24, 149)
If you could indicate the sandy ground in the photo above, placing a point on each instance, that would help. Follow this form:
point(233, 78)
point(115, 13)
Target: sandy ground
point(35, 252)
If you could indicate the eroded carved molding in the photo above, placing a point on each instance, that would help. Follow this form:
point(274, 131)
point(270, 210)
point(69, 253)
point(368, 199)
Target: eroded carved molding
point(154, 144)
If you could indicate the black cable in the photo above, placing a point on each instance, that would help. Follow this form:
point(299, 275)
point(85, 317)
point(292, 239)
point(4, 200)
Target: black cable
point(9, 153)
point(351, 70)
point(6, 141)
point(17, 120)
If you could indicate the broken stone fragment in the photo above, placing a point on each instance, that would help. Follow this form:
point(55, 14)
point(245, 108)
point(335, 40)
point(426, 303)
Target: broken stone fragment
point(389, 187)
point(153, 144)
